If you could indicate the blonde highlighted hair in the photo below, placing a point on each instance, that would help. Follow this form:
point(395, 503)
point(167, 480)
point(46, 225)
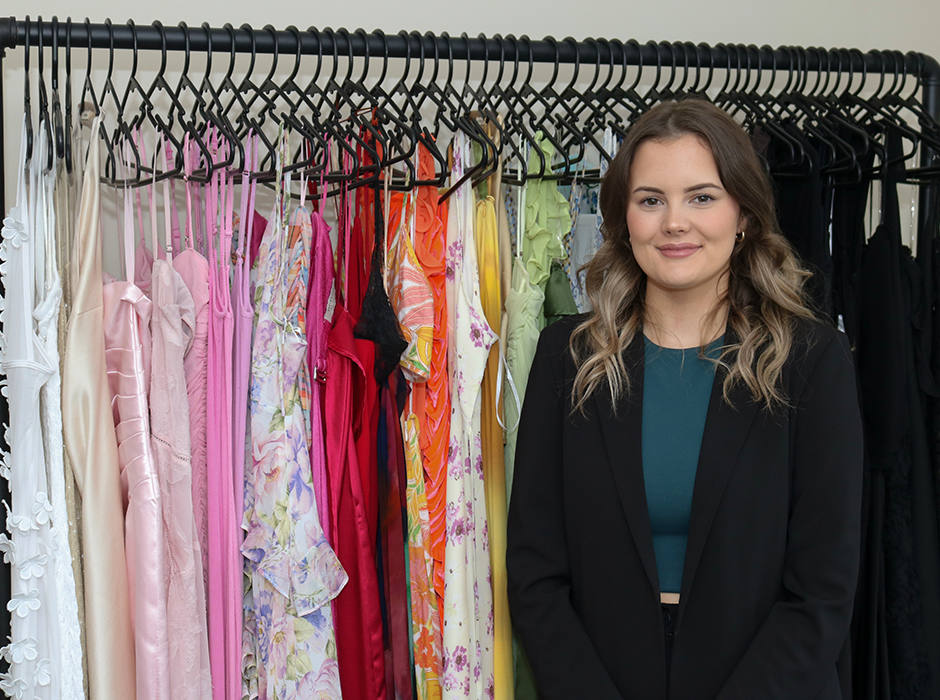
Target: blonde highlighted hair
point(765, 293)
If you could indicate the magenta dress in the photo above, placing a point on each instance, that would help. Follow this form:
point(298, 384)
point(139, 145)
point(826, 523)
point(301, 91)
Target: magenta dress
point(225, 571)
point(321, 301)
point(127, 353)
point(243, 317)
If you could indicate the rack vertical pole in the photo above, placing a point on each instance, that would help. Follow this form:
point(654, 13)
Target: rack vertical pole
point(930, 96)
point(6, 584)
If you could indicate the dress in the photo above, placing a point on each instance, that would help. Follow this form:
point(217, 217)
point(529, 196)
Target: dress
point(523, 306)
point(225, 572)
point(47, 318)
point(357, 612)
point(413, 303)
point(127, 353)
point(321, 300)
point(194, 269)
point(33, 652)
point(494, 467)
point(67, 195)
point(173, 331)
point(430, 247)
point(295, 573)
point(468, 603)
point(92, 448)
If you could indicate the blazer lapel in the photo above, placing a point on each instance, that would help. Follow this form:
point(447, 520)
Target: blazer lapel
point(725, 431)
point(622, 437)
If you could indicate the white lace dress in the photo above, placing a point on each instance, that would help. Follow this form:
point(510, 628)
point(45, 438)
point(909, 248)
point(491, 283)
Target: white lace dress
point(47, 318)
point(34, 650)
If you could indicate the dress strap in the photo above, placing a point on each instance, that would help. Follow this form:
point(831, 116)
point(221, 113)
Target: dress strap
point(129, 262)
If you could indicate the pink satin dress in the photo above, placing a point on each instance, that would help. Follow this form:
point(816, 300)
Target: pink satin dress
point(194, 269)
point(173, 333)
point(127, 354)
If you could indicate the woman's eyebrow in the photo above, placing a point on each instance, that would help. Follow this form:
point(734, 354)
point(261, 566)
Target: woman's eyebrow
point(693, 188)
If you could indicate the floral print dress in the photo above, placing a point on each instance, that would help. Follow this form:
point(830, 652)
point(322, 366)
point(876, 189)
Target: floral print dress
point(294, 571)
point(468, 599)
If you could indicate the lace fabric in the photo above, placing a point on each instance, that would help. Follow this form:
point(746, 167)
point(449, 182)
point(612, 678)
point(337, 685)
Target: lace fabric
point(47, 318)
point(33, 653)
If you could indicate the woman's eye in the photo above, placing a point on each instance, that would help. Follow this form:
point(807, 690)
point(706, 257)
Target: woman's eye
point(703, 198)
point(649, 201)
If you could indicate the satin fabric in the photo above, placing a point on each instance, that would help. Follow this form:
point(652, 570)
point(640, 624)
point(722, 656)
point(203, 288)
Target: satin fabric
point(225, 572)
point(358, 617)
point(194, 270)
point(67, 194)
point(127, 315)
point(321, 299)
point(494, 468)
point(173, 333)
point(92, 448)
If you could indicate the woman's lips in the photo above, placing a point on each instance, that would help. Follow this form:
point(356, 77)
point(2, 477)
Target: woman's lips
point(681, 250)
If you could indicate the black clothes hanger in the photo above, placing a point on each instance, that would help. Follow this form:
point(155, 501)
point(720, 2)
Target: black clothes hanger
point(58, 131)
point(68, 95)
point(45, 117)
point(26, 103)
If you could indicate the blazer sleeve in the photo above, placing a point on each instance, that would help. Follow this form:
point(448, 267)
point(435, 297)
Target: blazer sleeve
point(564, 660)
point(794, 652)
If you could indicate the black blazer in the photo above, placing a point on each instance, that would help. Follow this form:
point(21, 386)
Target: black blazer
point(772, 558)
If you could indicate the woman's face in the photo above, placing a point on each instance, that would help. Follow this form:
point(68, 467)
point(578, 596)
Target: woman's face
point(682, 222)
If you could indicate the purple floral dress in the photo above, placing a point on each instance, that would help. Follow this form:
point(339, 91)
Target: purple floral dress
point(468, 598)
point(294, 571)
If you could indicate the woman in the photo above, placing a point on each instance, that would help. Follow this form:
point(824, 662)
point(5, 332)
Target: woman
point(685, 514)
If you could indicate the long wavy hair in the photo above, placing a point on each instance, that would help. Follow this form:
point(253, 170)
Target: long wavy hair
point(765, 293)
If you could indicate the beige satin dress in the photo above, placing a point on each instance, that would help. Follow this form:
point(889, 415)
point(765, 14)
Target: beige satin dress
point(92, 449)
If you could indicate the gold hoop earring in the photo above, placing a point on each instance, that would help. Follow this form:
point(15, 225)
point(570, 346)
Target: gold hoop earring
point(739, 236)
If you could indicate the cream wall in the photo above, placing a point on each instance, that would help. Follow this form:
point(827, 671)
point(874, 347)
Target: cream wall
point(863, 24)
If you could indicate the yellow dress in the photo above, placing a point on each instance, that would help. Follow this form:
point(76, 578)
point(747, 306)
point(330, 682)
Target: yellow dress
point(494, 472)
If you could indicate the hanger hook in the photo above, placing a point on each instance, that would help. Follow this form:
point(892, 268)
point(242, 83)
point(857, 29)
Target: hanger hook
point(186, 57)
point(773, 68)
point(208, 31)
point(328, 31)
point(577, 65)
point(297, 58)
point(554, 43)
point(659, 63)
point(275, 54)
point(515, 60)
point(365, 41)
point(502, 59)
point(466, 40)
point(107, 79)
point(158, 25)
point(486, 58)
point(379, 33)
point(231, 63)
point(407, 69)
point(343, 32)
point(528, 48)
